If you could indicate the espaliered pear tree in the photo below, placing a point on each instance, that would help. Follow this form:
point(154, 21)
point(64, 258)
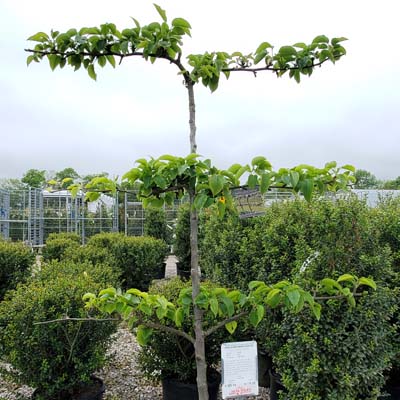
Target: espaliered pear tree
point(162, 180)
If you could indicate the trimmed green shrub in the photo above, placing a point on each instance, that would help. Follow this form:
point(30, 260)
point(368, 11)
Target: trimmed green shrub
point(155, 224)
point(65, 235)
point(55, 357)
point(138, 258)
point(341, 357)
point(16, 261)
point(92, 254)
point(331, 237)
point(58, 243)
point(105, 240)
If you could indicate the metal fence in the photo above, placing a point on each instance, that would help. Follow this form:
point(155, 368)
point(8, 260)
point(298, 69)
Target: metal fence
point(31, 215)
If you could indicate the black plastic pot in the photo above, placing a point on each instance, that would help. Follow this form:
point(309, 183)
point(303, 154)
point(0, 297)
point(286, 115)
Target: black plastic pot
point(183, 273)
point(275, 385)
point(161, 271)
point(93, 390)
point(176, 390)
point(394, 392)
point(264, 365)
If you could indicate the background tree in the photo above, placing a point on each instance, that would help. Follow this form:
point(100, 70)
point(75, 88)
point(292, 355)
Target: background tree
point(392, 184)
point(87, 178)
point(12, 184)
point(365, 180)
point(163, 179)
point(34, 178)
point(66, 176)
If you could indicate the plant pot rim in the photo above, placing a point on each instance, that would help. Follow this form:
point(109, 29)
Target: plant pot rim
point(95, 395)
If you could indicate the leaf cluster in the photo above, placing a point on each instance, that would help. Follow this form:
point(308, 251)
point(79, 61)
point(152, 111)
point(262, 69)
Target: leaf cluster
point(100, 45)
point(224, 307)
point(89, 46)
point(168, 177)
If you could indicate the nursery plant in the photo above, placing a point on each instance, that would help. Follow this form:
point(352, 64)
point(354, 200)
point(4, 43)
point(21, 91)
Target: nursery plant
point(57, 359)
point(163, 179)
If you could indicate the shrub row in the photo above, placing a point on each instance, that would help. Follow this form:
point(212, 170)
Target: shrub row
point(138, 260)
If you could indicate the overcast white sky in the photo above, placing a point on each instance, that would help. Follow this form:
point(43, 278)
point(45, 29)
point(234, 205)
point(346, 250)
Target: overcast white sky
point(348, 112)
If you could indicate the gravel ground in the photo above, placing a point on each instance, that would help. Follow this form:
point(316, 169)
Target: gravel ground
point(121, 376)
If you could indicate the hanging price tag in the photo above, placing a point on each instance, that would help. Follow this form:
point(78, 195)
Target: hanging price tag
point(239, 369)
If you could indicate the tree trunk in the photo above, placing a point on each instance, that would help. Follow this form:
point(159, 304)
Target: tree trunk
point(199, 347)
point(192, 117)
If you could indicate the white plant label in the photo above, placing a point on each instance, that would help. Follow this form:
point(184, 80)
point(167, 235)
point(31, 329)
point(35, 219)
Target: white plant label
point(239, 369)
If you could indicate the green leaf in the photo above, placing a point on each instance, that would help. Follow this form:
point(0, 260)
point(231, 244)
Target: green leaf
point(273, 298)
point(214, 306)
point(216, 183)
point(145, 308)
point(263, 46)
point(91, 72)
point(307, 188)
point(200, 200)
point(294, 178)
point(143, 334)
point(234, 168)
point(287, 51)
point(349, 167)
point(367, 282)
point(293, 296)
point(231, 326)
point(316, 309)
point(321, 39)
point(256, 284)
point(161, 12)
point(254, 316)
point(265, 182)
point(161, 312)
point(329, 284)
point(111, 60)
point(160, 182)
point(230, 308)
point(181, 23)
point(30, 59)
point(88, 296)
point(102, 60)
point(179, 315)
point(132, 175)
point(257, 161)
point(260, 312)
point(351, 300)
point(39, 37)
point(54, 61)
point(155, 202)
point(345, 277)
point(300, 45)
point(108, 291)
point(221, 209)
point(109, 308)
point(252, 181)
point(335, 41)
